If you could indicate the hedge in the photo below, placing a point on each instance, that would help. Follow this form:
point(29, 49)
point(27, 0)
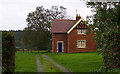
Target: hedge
point(8, 52)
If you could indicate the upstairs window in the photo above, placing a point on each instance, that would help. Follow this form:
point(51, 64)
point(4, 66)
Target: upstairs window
point(81, 43)
point(81, 31)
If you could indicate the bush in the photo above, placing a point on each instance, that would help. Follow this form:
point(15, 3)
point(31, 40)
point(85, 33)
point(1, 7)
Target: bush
point(8, 52)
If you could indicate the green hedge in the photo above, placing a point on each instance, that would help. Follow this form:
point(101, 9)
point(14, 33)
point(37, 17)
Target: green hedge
point(8, 52)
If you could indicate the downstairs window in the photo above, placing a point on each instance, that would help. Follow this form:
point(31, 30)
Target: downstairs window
point(81, 43)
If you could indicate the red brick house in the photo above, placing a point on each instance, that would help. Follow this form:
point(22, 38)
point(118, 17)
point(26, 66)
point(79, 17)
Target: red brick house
point(70, 36)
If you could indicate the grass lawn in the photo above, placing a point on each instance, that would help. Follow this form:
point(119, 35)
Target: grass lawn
point(25, 62)
point(78, 62)
point(48, 65)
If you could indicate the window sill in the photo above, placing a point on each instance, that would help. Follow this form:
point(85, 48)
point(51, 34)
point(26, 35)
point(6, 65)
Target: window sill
point(81, 34)
point(82, 48)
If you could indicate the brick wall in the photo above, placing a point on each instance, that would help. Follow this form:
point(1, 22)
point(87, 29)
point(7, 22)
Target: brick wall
point(72, 42)
point(58, 37)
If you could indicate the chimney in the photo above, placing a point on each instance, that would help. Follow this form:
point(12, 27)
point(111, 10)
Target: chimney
point(78, 17)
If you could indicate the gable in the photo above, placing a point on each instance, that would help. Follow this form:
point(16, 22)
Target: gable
point(78, 25)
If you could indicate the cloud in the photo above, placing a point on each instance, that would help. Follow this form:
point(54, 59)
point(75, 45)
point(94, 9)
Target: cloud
point(13, 13)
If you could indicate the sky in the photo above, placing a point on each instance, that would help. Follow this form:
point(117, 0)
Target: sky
point(13, 13)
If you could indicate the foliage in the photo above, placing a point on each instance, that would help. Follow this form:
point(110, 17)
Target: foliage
point(18, 37)
point(35, 39)
point(106, 27)
point(0, 51)
point(78, 62)
point(41, 17)
point(8, 52)
point(37, 34)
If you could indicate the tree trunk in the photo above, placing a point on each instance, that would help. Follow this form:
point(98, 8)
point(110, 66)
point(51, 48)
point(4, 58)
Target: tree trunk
point(23, 50)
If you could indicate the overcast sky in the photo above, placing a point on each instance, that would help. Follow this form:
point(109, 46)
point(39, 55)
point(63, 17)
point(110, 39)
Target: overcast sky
point(13, 13)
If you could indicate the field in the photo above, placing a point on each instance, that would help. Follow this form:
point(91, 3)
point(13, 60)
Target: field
point(74, 62)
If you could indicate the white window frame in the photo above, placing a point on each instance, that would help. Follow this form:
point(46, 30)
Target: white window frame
point(80, 46)
point(81, 31)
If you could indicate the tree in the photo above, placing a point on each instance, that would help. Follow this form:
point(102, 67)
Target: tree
point(106, 26)
point(37, 34)
point(41, 17)
point(18, 36)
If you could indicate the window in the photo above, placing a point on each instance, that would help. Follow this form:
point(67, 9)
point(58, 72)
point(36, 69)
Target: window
point(81, 43)
point(82, 31)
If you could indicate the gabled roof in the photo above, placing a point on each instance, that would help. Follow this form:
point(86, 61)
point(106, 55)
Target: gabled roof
point(75, 25)
point(64, 26)
point(61, 26)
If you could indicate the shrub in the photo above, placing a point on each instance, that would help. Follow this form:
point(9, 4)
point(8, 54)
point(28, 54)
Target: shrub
point(8, 52)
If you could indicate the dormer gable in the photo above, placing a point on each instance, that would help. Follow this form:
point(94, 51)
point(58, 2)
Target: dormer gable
point(76, 24)
point(81, 25)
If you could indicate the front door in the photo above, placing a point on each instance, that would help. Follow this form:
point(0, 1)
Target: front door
point(59, 47)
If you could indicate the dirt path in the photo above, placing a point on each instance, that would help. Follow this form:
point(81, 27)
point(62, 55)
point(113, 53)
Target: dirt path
point(39, 65)
point(57, 65)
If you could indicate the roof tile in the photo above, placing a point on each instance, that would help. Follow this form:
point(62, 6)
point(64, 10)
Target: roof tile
point(61, 26)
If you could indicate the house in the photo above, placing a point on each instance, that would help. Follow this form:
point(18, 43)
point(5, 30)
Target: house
point(71, 36)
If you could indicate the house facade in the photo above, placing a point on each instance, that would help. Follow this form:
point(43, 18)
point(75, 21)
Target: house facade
point(70, 36)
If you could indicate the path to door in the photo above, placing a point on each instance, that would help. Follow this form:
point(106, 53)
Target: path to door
point(39, 65)
point(57, 65)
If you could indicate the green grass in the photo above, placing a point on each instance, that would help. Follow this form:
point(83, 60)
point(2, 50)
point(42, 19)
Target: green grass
point(48, 65)
point(74, 62)
point(78, 62)
point(25, 62)
point(29, 51)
